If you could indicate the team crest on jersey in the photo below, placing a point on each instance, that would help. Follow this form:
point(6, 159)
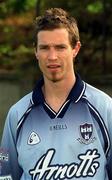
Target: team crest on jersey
point(33, 139)
point(86, 133)
point(4, 155)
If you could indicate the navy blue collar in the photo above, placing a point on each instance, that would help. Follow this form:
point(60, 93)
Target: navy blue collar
point(74, 95)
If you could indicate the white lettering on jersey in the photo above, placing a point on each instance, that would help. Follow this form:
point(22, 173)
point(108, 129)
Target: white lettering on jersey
point(86, 168)
point(5, 177)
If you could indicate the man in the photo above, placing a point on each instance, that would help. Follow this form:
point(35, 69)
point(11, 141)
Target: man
point(63, 128)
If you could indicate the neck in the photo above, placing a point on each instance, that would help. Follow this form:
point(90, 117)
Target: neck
point(56, 93)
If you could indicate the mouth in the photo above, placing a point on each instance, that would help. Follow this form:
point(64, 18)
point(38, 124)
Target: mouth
point(53, 66)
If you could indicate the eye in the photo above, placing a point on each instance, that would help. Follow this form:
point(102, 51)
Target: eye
point(61, 47)
point(43, 47)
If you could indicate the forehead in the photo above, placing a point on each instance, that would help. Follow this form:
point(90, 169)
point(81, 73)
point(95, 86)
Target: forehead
point(55, 36)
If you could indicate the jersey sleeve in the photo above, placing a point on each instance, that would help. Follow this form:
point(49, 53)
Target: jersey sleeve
point(9, 167)
point(109, 165)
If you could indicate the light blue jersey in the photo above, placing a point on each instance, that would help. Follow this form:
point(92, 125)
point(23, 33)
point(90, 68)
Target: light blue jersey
point(73, 143)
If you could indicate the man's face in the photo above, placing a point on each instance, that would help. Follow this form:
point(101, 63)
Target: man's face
point(55, 54)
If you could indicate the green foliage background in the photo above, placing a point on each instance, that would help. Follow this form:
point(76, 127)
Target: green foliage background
point(94, 61)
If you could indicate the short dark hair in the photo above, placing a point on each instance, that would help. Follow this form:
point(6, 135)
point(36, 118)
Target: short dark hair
point(54, 18)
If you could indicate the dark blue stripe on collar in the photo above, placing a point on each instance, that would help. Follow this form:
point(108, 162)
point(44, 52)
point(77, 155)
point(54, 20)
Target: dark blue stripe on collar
point(75, 93)
point(37, 95)
point(77, 89)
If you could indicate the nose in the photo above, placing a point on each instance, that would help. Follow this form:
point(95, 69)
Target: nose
point(52, 54)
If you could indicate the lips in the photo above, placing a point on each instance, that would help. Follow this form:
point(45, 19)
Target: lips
point(53, 66)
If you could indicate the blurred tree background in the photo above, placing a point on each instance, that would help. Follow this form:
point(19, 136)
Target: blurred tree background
point(18, 67)
point(94, 61)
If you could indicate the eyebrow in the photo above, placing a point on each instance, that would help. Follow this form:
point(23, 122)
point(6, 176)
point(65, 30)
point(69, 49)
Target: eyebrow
point(53, 45)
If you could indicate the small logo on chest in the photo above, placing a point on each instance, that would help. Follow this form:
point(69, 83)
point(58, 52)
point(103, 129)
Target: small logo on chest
point(33, 139)
point(86, 133)
point(57, 127)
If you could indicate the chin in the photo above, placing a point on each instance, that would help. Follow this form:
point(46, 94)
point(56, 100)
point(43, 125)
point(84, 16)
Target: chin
point(54, 79)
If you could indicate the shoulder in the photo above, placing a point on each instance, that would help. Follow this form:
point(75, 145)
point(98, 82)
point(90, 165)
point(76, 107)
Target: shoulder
point(99, 99)
point(96, 94)
point(15, 113)
point(23, 102)
point(19, 108)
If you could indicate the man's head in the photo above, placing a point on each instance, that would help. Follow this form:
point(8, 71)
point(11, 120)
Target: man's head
point(57, 44)
point(56, 18)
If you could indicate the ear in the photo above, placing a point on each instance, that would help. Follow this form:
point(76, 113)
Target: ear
point(76, 49)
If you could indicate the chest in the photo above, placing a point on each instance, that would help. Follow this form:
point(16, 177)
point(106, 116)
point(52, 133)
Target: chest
point(75, 139)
